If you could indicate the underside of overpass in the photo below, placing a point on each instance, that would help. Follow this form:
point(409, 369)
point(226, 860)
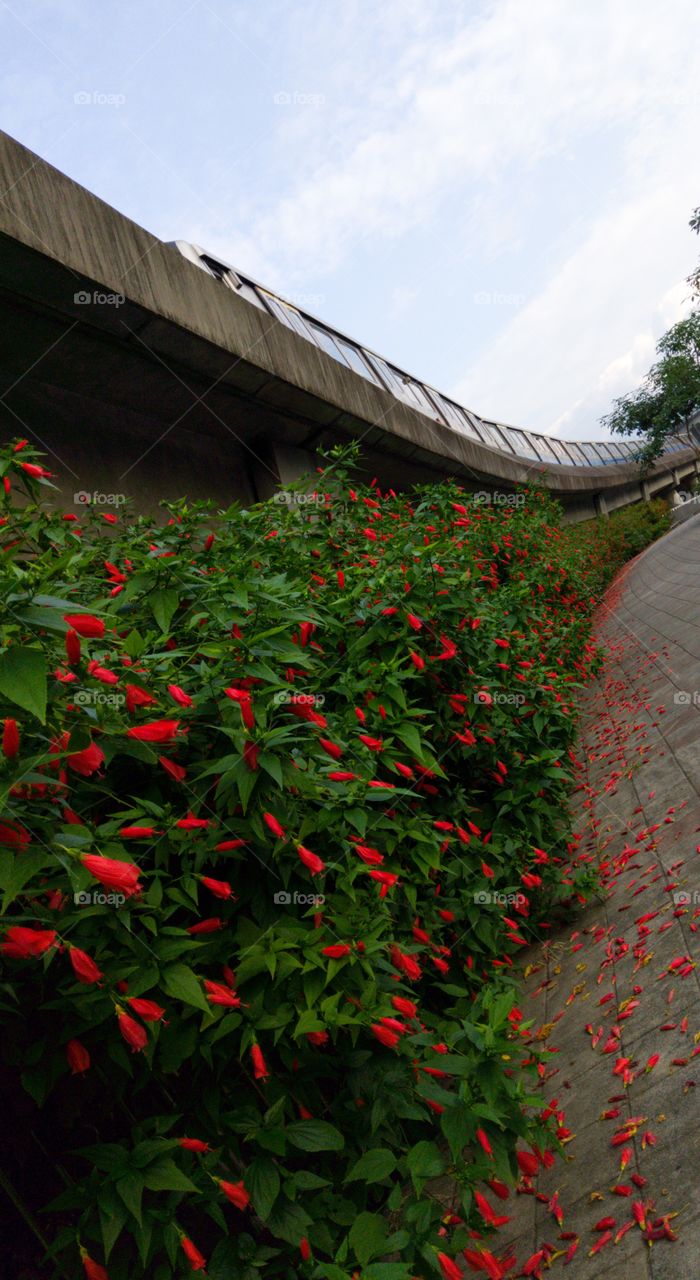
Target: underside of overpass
point(141, 374)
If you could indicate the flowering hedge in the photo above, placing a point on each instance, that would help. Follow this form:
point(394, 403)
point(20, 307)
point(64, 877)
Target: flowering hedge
point(284, 795)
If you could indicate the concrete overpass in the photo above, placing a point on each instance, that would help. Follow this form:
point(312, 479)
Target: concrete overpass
point(152, 370)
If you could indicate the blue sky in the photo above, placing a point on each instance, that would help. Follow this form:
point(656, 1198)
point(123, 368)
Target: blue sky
point(495, 196)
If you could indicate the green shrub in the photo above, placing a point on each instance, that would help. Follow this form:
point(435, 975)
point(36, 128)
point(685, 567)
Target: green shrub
point(363, 699)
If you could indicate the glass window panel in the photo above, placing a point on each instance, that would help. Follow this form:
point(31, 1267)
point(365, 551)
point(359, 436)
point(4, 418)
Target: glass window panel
point(492, 437)
point(577, 457)
point(355, 360)
point(560, 448)
point(245, 290)
point(522, 445)
point(455, 416)
point(545, 446)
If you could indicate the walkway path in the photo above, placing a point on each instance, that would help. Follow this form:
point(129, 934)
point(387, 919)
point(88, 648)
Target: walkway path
point(622, 987)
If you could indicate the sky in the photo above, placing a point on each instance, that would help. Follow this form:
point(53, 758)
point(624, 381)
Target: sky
point(493, 196)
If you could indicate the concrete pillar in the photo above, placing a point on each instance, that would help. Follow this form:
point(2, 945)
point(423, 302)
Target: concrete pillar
point(601, 506)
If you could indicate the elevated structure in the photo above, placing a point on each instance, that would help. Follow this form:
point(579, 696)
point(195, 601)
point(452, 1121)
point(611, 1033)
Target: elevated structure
point(151, 370)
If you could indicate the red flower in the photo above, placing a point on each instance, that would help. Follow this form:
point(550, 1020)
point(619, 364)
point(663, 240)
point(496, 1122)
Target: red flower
point(134, 1034)
point(88, 761)
point(331, 748)
point(527, 1163)
point(93, 1270)
point(384, 1035)
point(196, 1259)
point(450, 1269)
point(337, 950)
point(220, 888)
point(155, 731)
point(86, 624)
point(317, 1038)
point(406, 1007)
point(274, 826)
point(176, 771)
point(311, 860)
point(178, 695)
point(33, 469)
point(190, 823)
point(225, 846)
point(217, 993)
point(242, 697)
point(484, 1142)
point(260, 1070)
point(10, 739)
point(305, 1249)
point(146, 1009)
point(193, 1144)
point(72, 647)
point(84, 966)
point(236, 1193)
point(206, 926)
point(136, 697)
point(123, 876)
point(414, 622)
point(137, 833)
point(22, 943)
point(78, 1057)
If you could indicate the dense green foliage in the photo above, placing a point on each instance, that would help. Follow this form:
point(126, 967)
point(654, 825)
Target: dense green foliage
point(363, 699)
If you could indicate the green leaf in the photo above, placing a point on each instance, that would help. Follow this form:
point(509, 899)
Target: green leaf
point(373, 1166)
point(23, 679)
point(315, 1135)
point(164, 602)
point(164, 1175)
point(368, 1236)
point(130, 1188)
point(262, 1181)
point(180, 982)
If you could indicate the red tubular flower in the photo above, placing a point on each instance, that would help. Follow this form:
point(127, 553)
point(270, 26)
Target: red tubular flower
point(206, 926)
point(220, 888)
point(374, 744)
point(178, 695)
point(527, 1163)
point(225, 846)
point(305, 1249)
point(311, 860)
point(93, 1270)
point(484, 1142)
point(78, 1057)
point(274, 826)
point(236, 1193)
point(414, 622)
point(260, 1070)
point(146, 1009)
point(196, 1259)
point(190, 823)
point(449, 1268)
point(72, 647)
point(134, 1034)
point(10, 739)
point(33, 469)
point(193, 1144)
point(84, 966)
point(406, 1007)
point(86, 624)
point(407, 964)
point(336, 951)
point(155, 731)
point(88, 761)
point(319, 1039)
point(123, 876)
point(384, 1035)
point(22, 943)
point(176, 771)
point(331, 748)
point(242, 697)
point(137, 833)
point(136, 697)
point(217, 993)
